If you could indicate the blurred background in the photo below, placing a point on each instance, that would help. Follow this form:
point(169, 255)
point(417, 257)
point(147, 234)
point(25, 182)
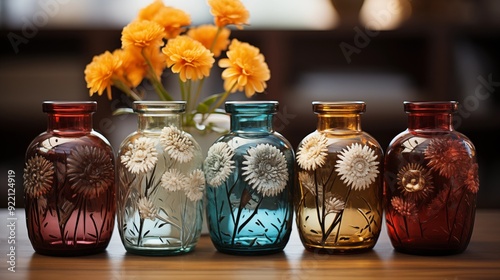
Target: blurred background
point(382, 52)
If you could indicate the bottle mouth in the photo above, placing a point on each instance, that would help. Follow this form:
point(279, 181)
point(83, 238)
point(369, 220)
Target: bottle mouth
point(159, 107)
point(430, 106)
point(251, 107)
point(321, 107)
point(69, 107)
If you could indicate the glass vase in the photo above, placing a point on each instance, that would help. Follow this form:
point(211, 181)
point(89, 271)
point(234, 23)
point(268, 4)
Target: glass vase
point(161, 184)
point(339, 201)
point(250, 177)
point(69, 179)
point(431, 183)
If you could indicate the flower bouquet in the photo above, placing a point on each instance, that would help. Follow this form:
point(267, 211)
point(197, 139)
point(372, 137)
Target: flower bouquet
point(161, 37)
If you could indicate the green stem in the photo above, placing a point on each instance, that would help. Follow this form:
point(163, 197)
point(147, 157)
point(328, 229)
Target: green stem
point(124, 88)
point(218, 103)
point(153, 78)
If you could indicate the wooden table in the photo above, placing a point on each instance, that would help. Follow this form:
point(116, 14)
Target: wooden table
point(481, 260)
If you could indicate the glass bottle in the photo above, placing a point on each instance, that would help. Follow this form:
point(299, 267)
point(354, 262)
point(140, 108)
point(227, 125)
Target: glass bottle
point(69, 179)
point(431, 182)
point(250, 177)
point(339, 201)
point(161, 184)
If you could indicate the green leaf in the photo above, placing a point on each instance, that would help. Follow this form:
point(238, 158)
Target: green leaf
point(204, 106)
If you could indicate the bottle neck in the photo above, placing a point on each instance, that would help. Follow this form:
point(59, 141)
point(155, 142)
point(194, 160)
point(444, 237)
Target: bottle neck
point(339, 123)
point(156, 122)
point(69, 123)
point(248, 123)
point(430, 121)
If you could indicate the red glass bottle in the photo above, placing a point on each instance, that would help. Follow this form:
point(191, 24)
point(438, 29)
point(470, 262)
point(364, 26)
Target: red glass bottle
point(431, 183)
point(69, 178)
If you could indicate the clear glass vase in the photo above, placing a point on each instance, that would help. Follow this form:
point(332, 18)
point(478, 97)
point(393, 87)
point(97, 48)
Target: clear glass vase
point(339, 201)
point(161, 184)
point(250, 177)
point(69, 183)
point(431, 183)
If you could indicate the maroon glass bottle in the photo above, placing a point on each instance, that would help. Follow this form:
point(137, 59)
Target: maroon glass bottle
point(69, 178)
point(431, 183)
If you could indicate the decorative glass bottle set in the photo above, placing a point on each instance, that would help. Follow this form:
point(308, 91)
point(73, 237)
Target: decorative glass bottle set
point(251, 184)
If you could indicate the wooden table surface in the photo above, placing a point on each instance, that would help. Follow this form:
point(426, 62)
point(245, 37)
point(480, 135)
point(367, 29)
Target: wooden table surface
point(481, 260)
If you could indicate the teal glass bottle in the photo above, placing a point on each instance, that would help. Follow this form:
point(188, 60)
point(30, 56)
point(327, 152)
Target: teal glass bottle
point(250, 176)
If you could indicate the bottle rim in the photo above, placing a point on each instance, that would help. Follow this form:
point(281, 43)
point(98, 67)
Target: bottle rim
point(430, 106)
point(57, 106)
point(154, 106)
point(252, 107)
point(344, 106)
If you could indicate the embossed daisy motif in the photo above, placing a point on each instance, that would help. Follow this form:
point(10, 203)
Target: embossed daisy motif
point(173, 180)
point(265, 169)
point(177, 144)
point(196, 185)
point(415, 181)
point(357, 166)
point(313, 152)
point(218, 164)
point(141, 156)
point(90, 171)
point(472, 180)
point(147, 209)
point(404, 207)
point(38, 176)
point(447, 156)
point(309, 183)
point(334, 205)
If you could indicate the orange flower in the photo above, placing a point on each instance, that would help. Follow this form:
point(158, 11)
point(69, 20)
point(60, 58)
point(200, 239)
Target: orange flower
point(246, 69)
point(142, 34)
point(100, 72)
point(228, 12)
point(189, 58)
point(206, 33)
point(150, 11)
point(171, 19)
point(134, 67)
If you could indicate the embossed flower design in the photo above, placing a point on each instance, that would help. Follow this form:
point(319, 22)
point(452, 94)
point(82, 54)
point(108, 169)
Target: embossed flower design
point(141, 156)
point(218, 164)
point(38, 176)
point(177, 144)
point(195, 189)
point(313, 152)
point(90, 171)
point(357, 166)
point(173, 180)
point(447, 156)
point(147, 209)
point(265, 169)
point(404, 207)
point(415, 181)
